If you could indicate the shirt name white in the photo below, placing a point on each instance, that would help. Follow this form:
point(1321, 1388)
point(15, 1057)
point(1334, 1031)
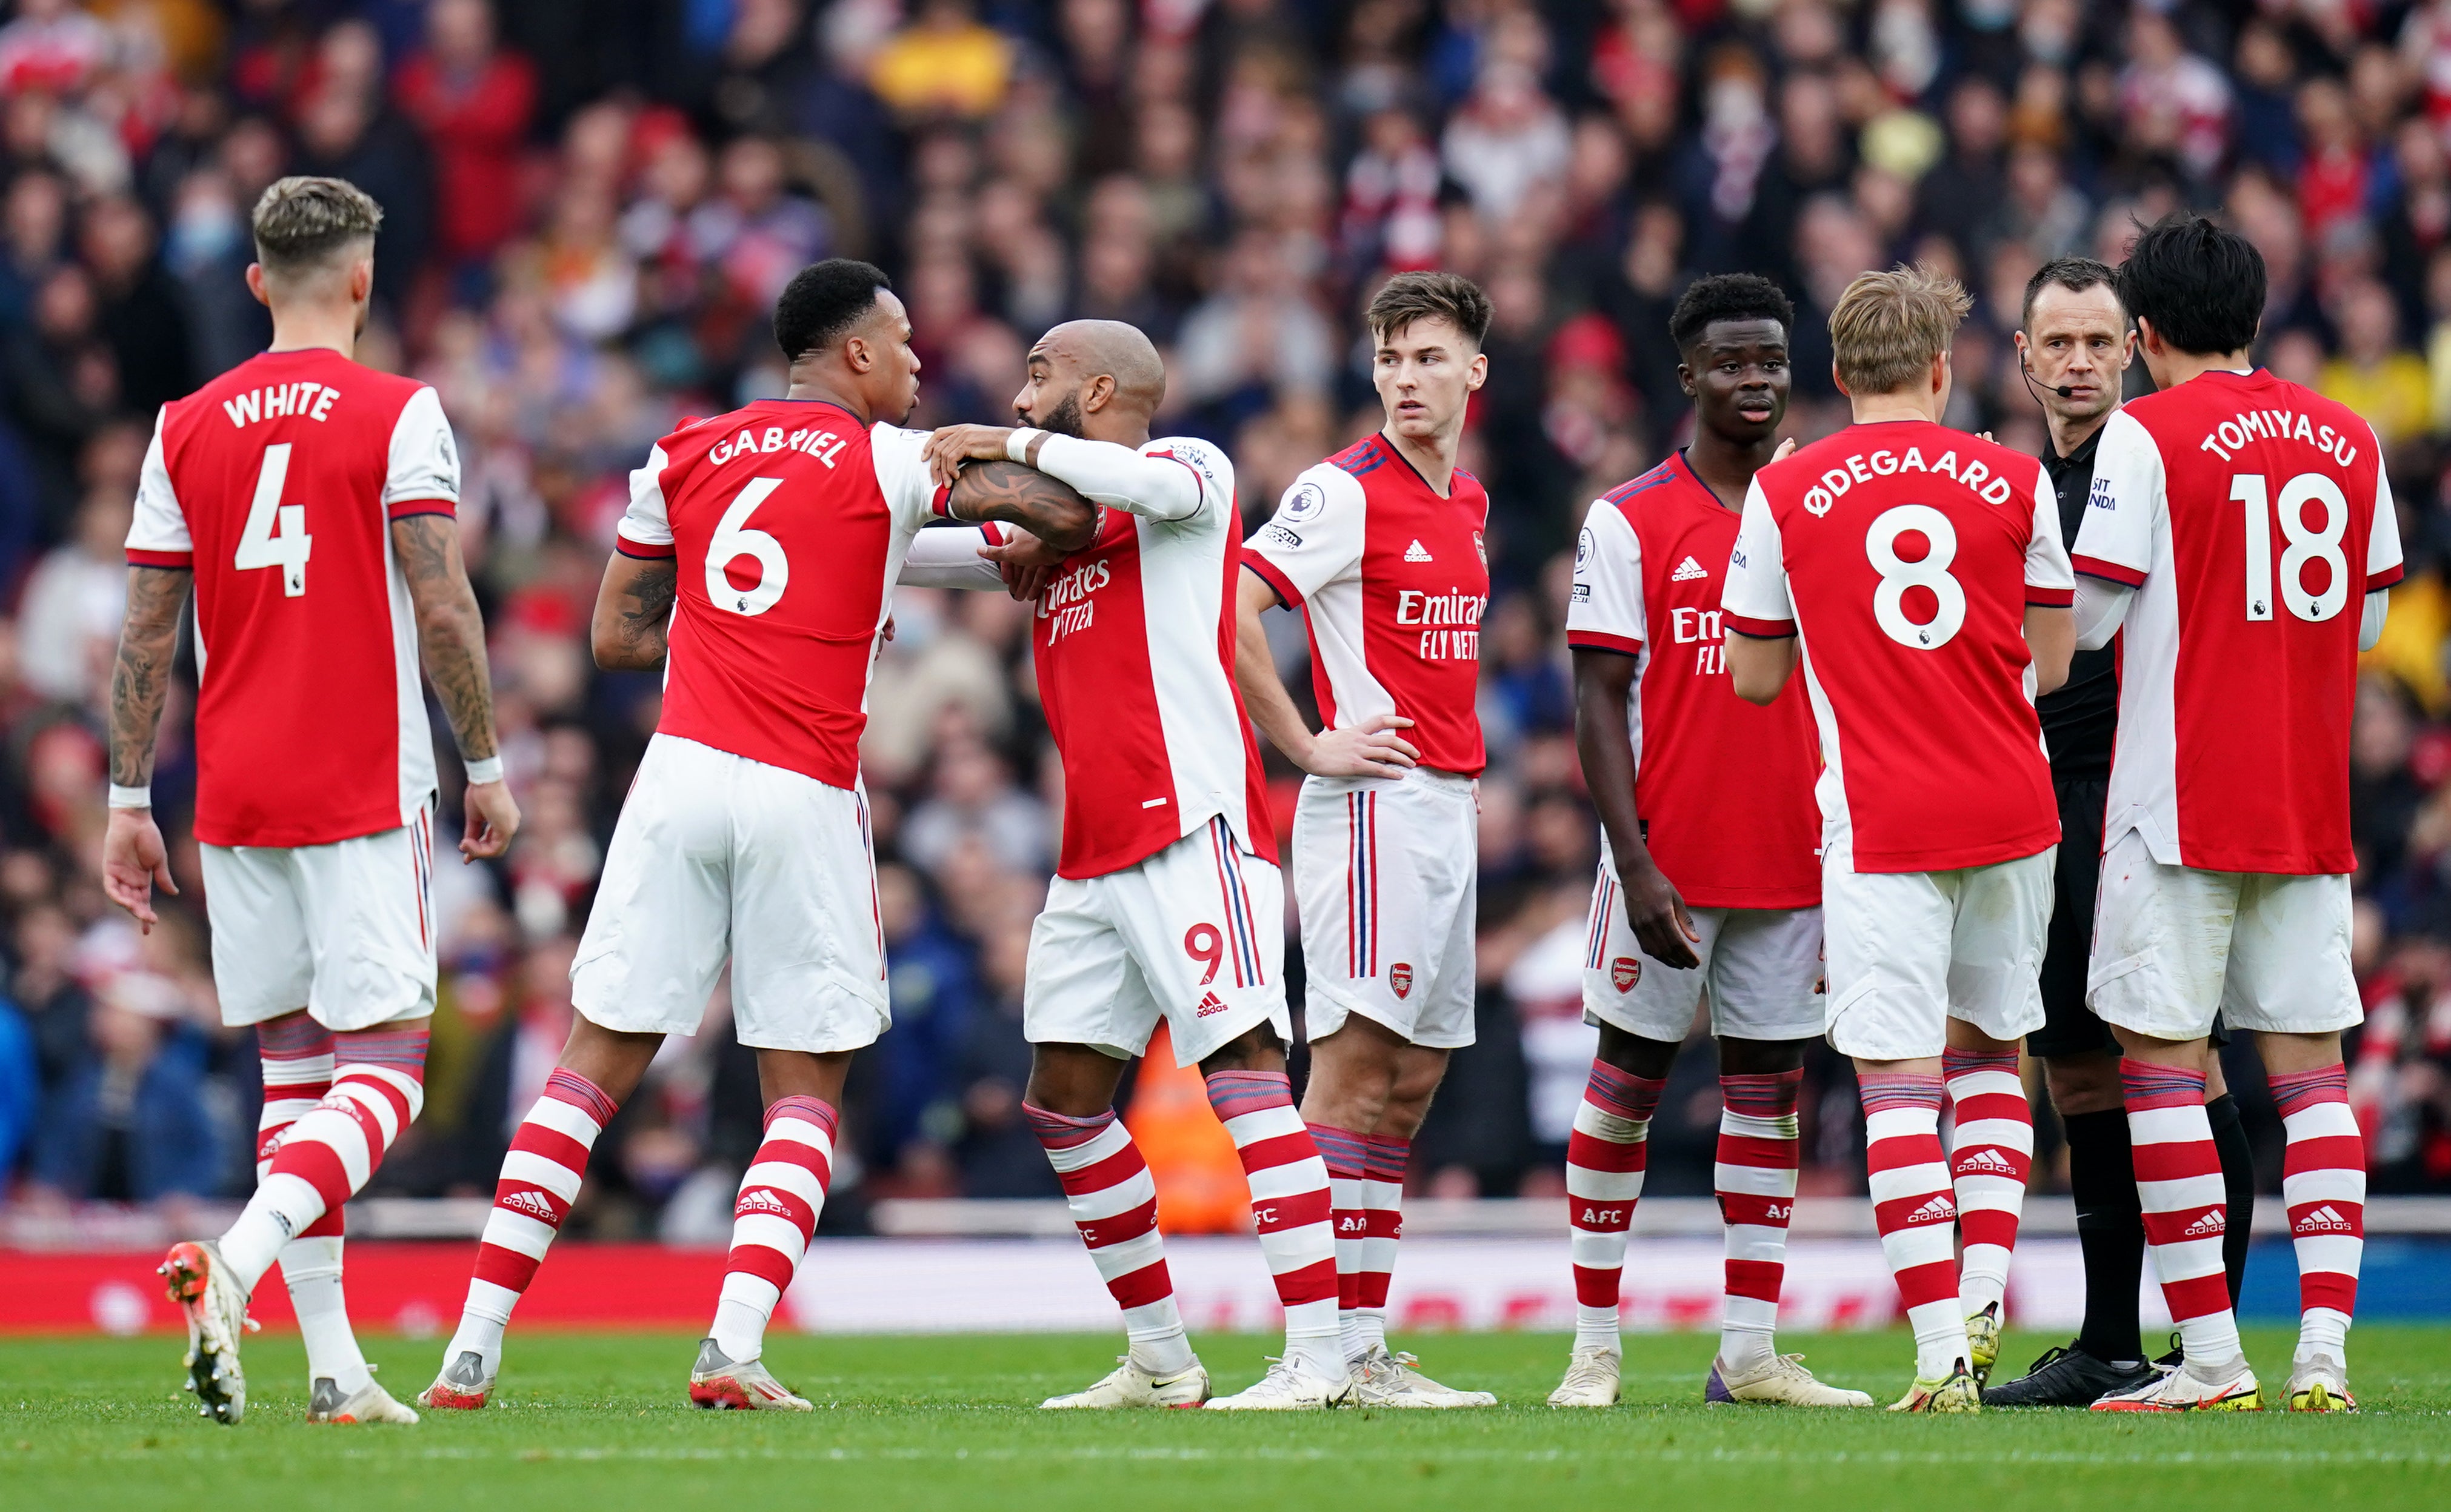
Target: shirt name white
point(309, 401)
point(2276, 424)
point(822, 444)
point(1974, 476)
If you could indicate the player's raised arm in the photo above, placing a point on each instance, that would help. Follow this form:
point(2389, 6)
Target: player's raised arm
point(133, 857)
point(451, 636)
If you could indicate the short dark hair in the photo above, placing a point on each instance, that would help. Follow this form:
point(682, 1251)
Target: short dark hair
point(1727, 297)
point(301, 221)
point(2074, 274)
point(823, 302)
point(2201, 285)
point(1410, 297)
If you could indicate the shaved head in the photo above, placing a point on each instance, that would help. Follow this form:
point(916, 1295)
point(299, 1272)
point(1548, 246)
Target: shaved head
point(1093, 349)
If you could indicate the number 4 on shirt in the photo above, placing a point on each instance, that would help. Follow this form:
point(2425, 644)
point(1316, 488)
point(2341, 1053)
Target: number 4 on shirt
point(257, 544)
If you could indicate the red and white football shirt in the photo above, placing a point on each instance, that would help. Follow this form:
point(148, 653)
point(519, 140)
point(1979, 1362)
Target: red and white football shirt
point(1904, 555)
point(790, 519)
point(1392, 580)
point(2253, 517)
point(1134, 645)
point(1724, 787)
point(277, 483)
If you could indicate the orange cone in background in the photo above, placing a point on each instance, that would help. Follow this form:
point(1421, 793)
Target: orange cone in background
point(1200, 1185)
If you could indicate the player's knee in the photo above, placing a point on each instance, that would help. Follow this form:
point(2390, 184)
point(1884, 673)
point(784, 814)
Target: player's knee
point(1255, 1049)
point(1762, 1057)
point(1636, 1055)
point(2083, 1084)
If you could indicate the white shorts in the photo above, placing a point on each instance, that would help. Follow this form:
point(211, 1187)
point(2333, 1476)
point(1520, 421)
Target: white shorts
point(1386, 879)
point(1194, 936)
point(2172, 945)
point(1761, 967)
point(718, 856)
point(344, 930)
point(1910, 950)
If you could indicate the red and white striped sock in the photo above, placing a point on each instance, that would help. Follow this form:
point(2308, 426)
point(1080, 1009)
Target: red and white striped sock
point(1914, 1211)
point(2324, 1182)
point(1605, 1159)
point(329, 1153)
point(1346, 1156)
point(1290, 1206)
point(1113, 1202)
point(781, 1194)
point(541, 1178)
point(297, 1057)
point(1990, 1150)
point(2179, 1180)
point(1383, 1211)
point(1756, 1177)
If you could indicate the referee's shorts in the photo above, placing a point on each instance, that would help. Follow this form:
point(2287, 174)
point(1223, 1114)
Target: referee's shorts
point(2070, 1027)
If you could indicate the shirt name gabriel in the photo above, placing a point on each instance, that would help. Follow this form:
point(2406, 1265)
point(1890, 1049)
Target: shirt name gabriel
point(1976, 477)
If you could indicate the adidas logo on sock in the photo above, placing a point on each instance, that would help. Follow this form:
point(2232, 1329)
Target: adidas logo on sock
point(531, 1203)
point(1415, 553)
point(1210, 1004)
point(1985, 1163)
point(2207, 1226)
point(2323, 1220)
point(759, 1200)
point(1687, 571)
point(1939, 1210)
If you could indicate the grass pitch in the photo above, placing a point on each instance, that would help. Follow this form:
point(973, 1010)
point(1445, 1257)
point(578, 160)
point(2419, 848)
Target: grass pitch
point(599, 1422)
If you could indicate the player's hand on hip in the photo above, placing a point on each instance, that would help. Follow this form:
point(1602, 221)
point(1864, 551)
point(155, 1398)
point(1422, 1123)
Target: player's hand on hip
point(134, 861)
point(493, 818)
point(1370, 749)
point(1028, 562)
point(951, 445)
point(1661, 926)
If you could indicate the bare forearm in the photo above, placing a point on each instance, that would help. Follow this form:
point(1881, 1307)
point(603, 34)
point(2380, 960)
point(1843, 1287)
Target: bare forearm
point(1263, 693)
point(1011, 494)
point(634, 614)
point(450, 631)
point(1603, 686)
point(140, 676)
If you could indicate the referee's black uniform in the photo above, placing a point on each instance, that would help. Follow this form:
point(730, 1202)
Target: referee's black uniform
point(2078, 723)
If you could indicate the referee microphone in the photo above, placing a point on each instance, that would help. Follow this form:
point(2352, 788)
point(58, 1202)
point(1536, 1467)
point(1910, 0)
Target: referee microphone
point(2061, 389)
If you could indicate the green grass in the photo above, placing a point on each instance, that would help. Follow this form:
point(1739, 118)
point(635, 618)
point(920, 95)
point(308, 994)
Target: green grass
point(597, 1421)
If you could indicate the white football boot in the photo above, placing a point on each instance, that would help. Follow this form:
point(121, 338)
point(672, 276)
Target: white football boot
point(1591, 1379)
point(1285, 1389)
point(1384, 1380)
point(216, 1314)
point(1779, 1381)
point(2319, 1383)
point(368, 1403)
point(719, 1383)
point(462, 1386)
point(1132, 1386)
point(2230, 1388)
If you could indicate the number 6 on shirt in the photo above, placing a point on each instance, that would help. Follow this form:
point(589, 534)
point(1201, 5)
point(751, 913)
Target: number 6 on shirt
point(733, 539)
point(257, 545)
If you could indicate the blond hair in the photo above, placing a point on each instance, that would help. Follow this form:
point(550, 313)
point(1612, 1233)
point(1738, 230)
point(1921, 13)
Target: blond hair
point(1888, 327)
point(301, 221)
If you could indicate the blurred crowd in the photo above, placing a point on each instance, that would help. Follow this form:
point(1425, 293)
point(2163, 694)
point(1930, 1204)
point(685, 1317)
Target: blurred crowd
point(591, 204)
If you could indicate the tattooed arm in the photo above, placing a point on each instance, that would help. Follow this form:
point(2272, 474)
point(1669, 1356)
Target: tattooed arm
point(634, 612)
point(451, 635)
point(1012, 494)
point(134, 860)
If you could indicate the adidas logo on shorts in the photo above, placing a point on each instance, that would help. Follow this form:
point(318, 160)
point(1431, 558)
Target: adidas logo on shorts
point(1687, 571)
point(2323, 1220)
point(1985, 1162)
point(1939, 1210)
point(759, 1200)
point(1415, 553)
point(1210, 1004)
point(2207, 1226)
point(531, 1203)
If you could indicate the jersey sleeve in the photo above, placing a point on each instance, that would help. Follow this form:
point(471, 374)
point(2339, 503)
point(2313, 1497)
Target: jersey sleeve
point(2051, 583)
point(645, 530)
point(910, 491)
point(2383, 565)
point(422, 475)
point(1313, 540)
point(1174, 479)
point(1756, 599)
point(158, 537)
point(1605, 611)
point(2115, 543)
point(948, 556)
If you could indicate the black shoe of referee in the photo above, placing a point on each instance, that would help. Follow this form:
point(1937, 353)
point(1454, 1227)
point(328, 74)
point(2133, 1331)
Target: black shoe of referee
point(2068, 1377)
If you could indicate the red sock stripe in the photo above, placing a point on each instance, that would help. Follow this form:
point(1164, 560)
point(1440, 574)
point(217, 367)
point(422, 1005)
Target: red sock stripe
point(505, 1267)
point(1594, 1154)
point(2197, 1296)
point(1282, 1150)
point(2178, 1159)
point(1746, 1207)
point(762, 1261)
point(2322, 1288)
point(2323, 1152)
point(1292, 1211)
point(1138, 1288)
point(1757, 1278)
point(1902, 1150)
point(1752, 1150)
point(1987, 1225)
point(1937, 1282)
point(1311, 1283)
point(319, 1166)
point(1099, 1232)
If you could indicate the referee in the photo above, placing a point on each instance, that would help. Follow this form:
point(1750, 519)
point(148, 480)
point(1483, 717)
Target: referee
point(2074, 345)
